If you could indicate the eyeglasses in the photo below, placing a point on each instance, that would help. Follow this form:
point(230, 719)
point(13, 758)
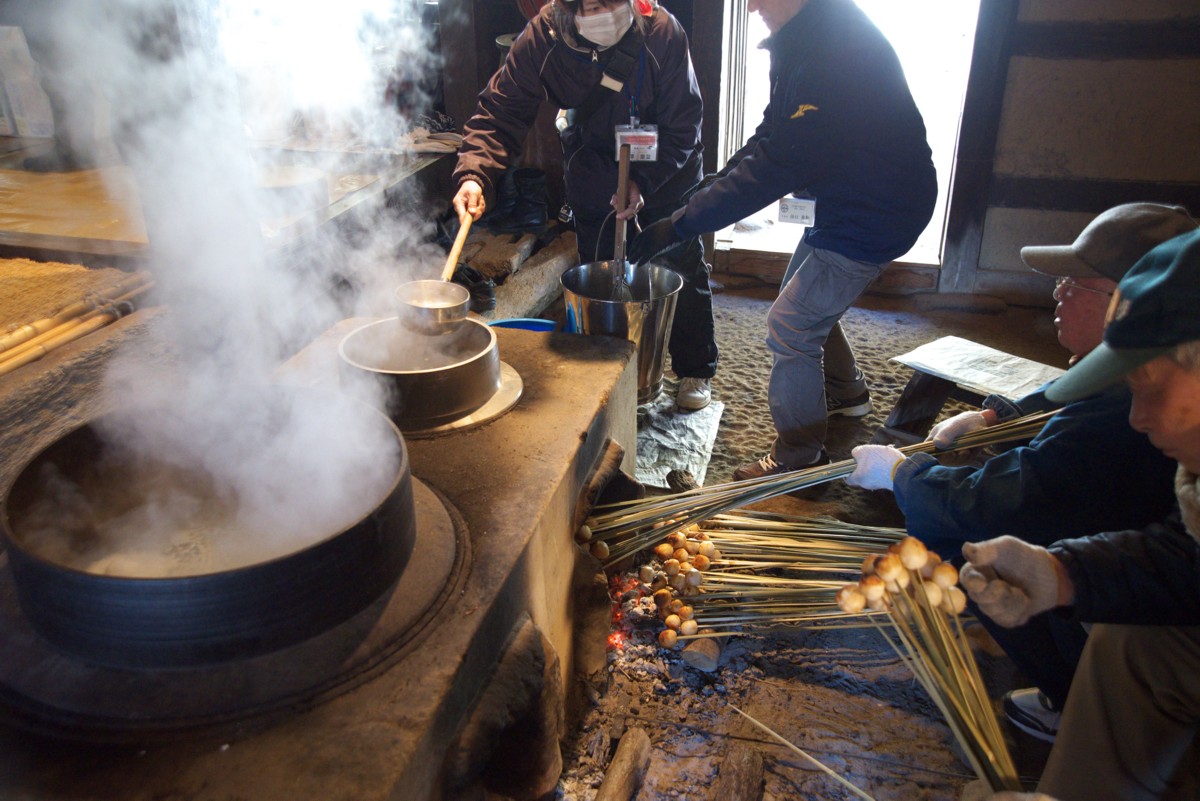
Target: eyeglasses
point(1066, 286)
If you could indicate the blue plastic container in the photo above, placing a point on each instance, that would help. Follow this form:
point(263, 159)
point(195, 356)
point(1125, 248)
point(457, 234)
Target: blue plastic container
point(525, 323)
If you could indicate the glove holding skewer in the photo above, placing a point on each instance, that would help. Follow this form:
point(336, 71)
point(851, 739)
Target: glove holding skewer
point(1012, 581)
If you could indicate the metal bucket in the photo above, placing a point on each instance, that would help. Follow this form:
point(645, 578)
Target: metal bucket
point(644, 321)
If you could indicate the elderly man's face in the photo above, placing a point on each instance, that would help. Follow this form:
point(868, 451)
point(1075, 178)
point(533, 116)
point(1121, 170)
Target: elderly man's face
point(1166, 407)
point(1079, 316)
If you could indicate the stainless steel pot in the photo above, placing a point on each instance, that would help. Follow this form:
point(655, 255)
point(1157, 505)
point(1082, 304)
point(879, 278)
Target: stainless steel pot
point(432, 308)
point(430, 381)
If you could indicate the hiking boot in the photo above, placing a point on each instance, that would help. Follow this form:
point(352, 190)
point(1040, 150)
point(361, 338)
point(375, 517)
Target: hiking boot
point(858, 406)
point(1031, 712)
point(504, 201)
point(528, 210)
point(694, 393)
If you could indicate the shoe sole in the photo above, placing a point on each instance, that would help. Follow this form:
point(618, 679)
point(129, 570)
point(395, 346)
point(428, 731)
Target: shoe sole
point(861, 410)
point(691, 407)
point(1033, 730)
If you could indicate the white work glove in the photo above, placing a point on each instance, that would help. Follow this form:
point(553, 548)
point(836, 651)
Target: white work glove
point(944, 433)
point(1009, 579)
point(875, 466)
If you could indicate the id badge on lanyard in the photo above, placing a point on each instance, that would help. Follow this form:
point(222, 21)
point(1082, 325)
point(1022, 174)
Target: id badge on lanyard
point(642, 141)
point(798, 210)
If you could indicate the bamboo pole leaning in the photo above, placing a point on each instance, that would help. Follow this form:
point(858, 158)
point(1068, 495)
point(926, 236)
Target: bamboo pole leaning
point(630, 526)
point(33, 341)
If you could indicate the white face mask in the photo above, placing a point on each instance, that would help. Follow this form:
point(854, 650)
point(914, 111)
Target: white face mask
point(606, 29)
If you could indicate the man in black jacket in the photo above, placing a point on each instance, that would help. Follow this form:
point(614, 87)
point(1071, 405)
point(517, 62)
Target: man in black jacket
point(1133, 712)
point(841, 131)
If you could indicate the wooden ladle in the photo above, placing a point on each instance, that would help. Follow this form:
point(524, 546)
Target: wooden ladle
point(464, 225)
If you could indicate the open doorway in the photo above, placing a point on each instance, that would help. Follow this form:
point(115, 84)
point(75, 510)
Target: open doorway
point(933, 39)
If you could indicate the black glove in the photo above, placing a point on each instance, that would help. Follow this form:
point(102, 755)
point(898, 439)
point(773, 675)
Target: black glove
point(654, 241)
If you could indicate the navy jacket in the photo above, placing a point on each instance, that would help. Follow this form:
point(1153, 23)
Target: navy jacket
point(841, 127)
point(542, 68)
point(1087, 471)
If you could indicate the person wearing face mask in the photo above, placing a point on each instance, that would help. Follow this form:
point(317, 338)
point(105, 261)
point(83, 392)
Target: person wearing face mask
point(569, 55)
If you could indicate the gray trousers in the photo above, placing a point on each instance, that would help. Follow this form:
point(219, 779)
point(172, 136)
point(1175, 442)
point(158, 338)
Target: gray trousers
point(1129, 728)
point(812, 356)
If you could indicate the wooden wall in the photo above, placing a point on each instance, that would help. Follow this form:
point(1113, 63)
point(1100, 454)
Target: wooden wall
point(1073, 106)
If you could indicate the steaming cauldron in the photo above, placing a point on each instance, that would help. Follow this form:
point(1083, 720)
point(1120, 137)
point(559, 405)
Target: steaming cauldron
point(218, 581)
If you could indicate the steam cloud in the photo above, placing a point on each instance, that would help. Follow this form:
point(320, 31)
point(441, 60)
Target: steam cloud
point(196, 89)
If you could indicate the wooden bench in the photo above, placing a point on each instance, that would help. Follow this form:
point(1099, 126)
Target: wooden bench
point(959, 369)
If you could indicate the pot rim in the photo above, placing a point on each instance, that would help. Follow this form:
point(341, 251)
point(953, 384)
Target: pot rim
point(10, 541)
point(482, 354)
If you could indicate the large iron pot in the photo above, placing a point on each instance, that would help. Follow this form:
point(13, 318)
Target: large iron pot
point(430, 381)
point(196, 602)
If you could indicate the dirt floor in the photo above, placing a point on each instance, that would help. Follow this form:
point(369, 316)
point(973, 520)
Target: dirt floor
point(841, 695)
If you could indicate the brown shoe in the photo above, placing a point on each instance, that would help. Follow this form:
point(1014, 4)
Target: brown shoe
point(767, 466)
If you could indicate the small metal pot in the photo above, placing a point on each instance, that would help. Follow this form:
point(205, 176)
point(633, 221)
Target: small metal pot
point(431, 380)
point(432, 308)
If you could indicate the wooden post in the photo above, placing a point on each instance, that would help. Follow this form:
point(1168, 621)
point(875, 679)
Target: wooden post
point(628, 767)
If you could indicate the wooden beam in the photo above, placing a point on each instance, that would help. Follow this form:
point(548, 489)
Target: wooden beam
point(977, 144)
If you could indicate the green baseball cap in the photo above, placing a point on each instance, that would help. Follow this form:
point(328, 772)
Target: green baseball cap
point(1155, 308)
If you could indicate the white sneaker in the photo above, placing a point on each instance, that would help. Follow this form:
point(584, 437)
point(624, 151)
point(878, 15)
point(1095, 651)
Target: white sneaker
point(694, 393)
point(1030, 711)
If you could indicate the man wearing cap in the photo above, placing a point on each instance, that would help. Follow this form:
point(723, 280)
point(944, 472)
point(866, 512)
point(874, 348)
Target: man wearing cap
point(1130, 723)
point(1087, 471)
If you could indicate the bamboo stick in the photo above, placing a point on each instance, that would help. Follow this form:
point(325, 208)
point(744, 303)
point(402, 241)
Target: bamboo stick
point(30, 330)
point(72, 333)
point(74, 328)
point(852, 788)
point(629, 526)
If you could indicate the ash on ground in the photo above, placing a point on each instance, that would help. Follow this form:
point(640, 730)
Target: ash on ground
point(841, 695)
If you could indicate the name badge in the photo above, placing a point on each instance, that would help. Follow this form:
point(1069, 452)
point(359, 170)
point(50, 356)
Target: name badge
point(801, 211)
point(642, 141)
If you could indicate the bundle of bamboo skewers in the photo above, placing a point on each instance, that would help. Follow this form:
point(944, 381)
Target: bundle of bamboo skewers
point(754, 571)
point(919, 594)
point(625, 528)
point(30, 342)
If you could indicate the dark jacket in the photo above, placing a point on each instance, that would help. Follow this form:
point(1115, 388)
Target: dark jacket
point(1086, 471)
point(542, 68)
point(1149, 576)
point(841, 127)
